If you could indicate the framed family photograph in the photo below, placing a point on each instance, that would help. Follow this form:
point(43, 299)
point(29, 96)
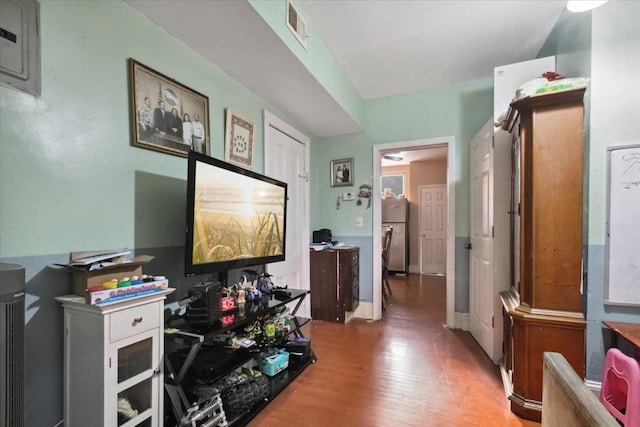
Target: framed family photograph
point(238, 140)
point(166, 115)
point(342, 172)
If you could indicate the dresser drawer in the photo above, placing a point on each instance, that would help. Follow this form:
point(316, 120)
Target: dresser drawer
point(134, 320)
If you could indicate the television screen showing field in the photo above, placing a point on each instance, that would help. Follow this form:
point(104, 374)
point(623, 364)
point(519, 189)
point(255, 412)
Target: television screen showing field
point(236, 216)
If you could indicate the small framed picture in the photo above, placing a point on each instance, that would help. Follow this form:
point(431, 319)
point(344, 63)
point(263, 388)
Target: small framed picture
point(238, 140)
point(342, 172)
point(165, 115)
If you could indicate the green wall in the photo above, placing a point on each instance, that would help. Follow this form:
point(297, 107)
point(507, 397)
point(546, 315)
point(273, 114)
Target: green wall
point(67, 167)
point(458, 111)
point(615, 102)
point(71, 181)
point(615, 97)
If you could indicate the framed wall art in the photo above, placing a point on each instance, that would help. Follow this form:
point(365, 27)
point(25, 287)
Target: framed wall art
point(342, 172)
point(238, 139)
point(166, 115)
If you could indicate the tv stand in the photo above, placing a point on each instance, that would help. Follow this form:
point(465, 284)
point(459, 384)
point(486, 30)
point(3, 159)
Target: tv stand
point(190, 344)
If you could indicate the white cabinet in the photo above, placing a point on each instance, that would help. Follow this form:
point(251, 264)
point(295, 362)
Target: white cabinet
point(113, 362)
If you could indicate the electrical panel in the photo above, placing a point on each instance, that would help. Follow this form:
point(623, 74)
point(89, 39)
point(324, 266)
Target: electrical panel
point(20, 45)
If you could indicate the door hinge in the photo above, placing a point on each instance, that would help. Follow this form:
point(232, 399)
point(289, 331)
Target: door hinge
point(109, 362)
point(493, 231)
point(518, 208)
point(492, 322)
point(493, 141)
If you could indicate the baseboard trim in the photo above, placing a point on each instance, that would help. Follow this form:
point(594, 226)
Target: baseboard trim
point(462, 321)
point(506, 379)
point(364, 310)
point(594, 386)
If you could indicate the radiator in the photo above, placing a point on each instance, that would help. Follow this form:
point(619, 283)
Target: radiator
point(12, 380)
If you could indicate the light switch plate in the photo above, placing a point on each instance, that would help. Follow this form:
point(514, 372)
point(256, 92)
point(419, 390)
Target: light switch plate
point(348, 196)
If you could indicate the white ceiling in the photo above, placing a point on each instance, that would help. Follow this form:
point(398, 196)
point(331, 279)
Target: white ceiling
point(402, 46)
point(385, 47)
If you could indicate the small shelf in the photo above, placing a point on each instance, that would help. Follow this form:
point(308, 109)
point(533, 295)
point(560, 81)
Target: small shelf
point(193, 356)
point(213, 362)
point(223, 359)
point(252, 310)
point(277, 383)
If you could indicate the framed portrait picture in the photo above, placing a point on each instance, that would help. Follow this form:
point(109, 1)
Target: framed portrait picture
point(166, 115)
point(238, 140)
point(342, 172)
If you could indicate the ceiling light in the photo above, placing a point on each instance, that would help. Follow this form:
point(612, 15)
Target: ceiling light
point(584, 5)
point(396, 157)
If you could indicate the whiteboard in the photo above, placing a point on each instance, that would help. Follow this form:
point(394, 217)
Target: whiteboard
point(622, 246)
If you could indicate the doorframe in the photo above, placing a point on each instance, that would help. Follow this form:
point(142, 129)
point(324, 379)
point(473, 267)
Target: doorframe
point(449, 141)
point(271, 120)
point(421, 219)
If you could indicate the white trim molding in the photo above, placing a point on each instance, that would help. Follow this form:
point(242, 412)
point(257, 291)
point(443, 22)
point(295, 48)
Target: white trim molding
point(364, 310)
point(450, 142)
point(462, 321)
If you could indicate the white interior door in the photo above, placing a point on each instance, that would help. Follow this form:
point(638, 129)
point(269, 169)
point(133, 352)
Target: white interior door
point(481, 295)
point(433, 229)
point(286, 158)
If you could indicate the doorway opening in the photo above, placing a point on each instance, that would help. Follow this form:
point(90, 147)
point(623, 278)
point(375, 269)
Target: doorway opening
point(389, 153)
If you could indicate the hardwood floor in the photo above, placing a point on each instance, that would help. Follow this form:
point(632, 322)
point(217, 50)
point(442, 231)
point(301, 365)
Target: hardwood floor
point(406, 370)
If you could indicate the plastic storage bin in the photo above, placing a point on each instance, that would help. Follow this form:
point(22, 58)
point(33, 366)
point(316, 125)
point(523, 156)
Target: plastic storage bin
point(273, 364)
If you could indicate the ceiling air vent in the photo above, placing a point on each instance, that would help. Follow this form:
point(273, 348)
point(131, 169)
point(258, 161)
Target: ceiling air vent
point(297, 24)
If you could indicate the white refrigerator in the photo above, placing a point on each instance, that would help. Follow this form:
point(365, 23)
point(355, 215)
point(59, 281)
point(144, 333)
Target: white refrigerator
point(395, 213)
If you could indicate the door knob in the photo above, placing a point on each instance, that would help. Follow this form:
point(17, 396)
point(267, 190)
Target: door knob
point(467, 246)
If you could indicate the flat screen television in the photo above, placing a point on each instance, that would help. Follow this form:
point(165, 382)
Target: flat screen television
point(235, 217)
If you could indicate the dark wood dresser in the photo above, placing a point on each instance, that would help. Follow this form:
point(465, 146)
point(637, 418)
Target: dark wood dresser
point(335, 284)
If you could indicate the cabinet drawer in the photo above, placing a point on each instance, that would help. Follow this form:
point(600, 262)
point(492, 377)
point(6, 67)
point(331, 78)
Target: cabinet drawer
point(134, 320)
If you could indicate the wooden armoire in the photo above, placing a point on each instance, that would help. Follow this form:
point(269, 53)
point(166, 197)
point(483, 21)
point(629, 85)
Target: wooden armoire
point(543, 310)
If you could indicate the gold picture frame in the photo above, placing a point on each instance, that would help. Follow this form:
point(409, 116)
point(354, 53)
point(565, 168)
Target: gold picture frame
point(238, 142)
point(165, 115)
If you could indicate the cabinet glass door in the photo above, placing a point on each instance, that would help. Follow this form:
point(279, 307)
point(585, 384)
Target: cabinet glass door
point(134, 359)
point(135, 401)
point(136, 364)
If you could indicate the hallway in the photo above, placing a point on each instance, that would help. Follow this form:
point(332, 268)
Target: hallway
point(406, 370)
